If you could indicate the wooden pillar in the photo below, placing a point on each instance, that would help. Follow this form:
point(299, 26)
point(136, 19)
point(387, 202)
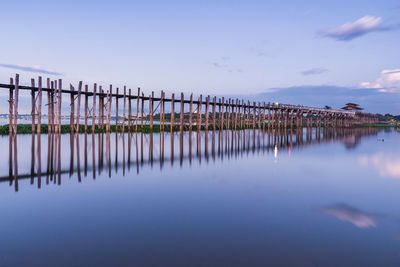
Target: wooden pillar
point(72, 106)
point(33, 104)
point(130, 113)
point(123, 112)
point(38, 129)
point(94, 109)
point(207, 111)
point(214, 110)
point(172, 112)
point(109, 110)
point(181, 113)
point(10, 109)
point(86, 106)
point(222, 114)
point(59, 106)
point(16, 88)
point(162, 111)
point(141, 117)
point(78, 107)
point(116, 110)
point(151, 106)
point(137, 108)
point(190, 112)
point(101, 109)
point(199, 114)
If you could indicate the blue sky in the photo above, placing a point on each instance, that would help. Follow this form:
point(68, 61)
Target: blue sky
point(258, 48)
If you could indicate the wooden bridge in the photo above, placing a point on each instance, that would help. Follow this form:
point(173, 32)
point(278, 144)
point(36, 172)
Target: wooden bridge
point(232, 114)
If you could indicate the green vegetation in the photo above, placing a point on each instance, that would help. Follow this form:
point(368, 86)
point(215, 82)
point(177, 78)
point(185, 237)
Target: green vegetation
point(382, 125)
point(388, 117)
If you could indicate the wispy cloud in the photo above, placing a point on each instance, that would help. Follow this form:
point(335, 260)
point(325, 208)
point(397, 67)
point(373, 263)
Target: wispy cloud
point(351, 30)
point(30, 69)
point(388, 81)
point(314, 71)
point(225, 64)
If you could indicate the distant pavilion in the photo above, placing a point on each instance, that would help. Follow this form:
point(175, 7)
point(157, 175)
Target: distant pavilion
point(352, 106)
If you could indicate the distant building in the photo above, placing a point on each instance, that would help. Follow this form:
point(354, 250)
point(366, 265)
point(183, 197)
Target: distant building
point(352, 106)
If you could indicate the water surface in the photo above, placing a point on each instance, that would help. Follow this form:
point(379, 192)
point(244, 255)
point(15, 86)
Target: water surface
point(215, 199)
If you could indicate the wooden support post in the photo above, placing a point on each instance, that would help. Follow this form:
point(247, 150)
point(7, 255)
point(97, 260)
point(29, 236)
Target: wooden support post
point(78, 108)
point(222, 114)
point(172, 112)
point(10, 110)
point(94, 110)
point(109, 110)
point(182, 113)
point(141, 117)
point(59, 106)
point(207, 111)
point(129, 113)
point(137, 108)
point(254, 115)
point(213, 112)
point(116, 110)
point(101, 109)
point(33, 104)
point(16, 88)
point(151, 110)
point(38, 129)
point(86, 106)
point(123, 112)
point(190, 112)
point(199, 113)
point(263, 117)
point(72, 113)
point(162, 111)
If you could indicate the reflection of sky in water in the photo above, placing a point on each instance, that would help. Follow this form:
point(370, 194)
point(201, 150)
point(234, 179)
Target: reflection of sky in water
point(350, 214)
point(239, 210)
point(387, 165)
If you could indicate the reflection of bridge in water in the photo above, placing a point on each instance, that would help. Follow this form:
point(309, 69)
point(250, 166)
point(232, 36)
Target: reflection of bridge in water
point(92, 154)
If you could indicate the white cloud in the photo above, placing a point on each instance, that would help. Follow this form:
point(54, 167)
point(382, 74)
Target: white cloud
point(351, 30)
point(388, 81)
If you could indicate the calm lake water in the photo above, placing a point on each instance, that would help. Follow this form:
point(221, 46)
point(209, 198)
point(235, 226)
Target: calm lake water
point(268, 199)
